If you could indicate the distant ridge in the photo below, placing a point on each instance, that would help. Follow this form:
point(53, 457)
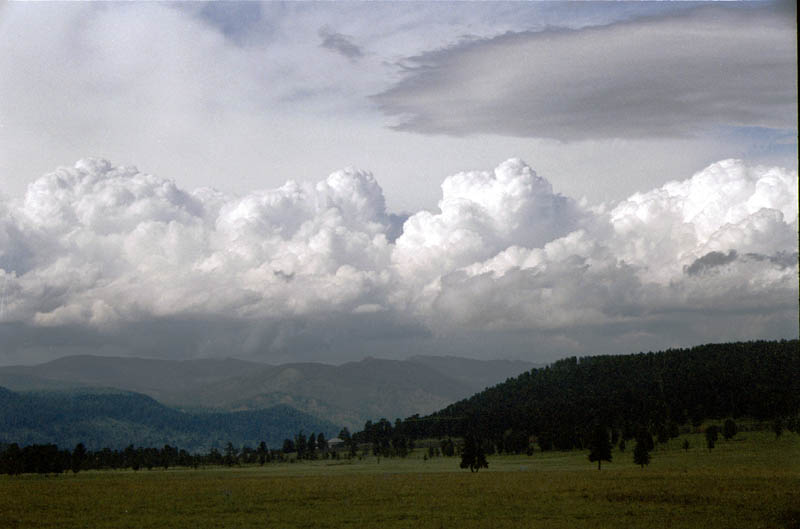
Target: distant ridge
point(155, 377)
point(114, 419)
point(348, 394)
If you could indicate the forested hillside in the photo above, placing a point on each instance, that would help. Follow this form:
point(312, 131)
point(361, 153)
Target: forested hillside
point(560, 404)
point(117, 419)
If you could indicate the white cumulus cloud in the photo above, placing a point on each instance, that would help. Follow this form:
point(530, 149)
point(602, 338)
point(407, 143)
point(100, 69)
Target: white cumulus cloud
point(98, 250)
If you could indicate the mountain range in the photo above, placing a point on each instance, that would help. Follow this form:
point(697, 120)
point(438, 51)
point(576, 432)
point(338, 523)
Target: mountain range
point(346, 395)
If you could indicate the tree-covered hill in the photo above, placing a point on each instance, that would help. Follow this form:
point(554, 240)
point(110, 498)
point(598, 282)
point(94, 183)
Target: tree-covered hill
point(561, 403)
point(116, 419)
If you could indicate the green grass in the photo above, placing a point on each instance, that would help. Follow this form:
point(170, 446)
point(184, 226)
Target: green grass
point(752, 481)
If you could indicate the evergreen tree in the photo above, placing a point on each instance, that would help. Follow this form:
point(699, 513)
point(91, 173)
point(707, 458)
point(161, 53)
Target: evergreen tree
point(712, 434)
point(448, 448)
point(262, 453)
point(78, 458)
point(400, 446)
point(11, 460)
point(600, 446)
point(729, 429)
point(344, 434)
point(777, 427)
point(473, 455)
point(230, 454)
point(311, 447)
point(641, 455)
point(349, 441)
point(300, 445)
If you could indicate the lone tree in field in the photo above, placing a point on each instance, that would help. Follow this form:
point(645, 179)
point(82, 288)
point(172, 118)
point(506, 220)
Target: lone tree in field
point(777, 427)
point(262, 452)
point(473, 456)
point(78, 457)
point(641, 455)
point(230, 454)
point(729, 429)
point(712, 434)
point(600, 448)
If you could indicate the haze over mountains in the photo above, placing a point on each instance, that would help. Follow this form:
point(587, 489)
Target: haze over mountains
point(347, 395)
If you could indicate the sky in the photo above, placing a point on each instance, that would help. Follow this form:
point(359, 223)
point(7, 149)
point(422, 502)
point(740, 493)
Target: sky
point(326, 181)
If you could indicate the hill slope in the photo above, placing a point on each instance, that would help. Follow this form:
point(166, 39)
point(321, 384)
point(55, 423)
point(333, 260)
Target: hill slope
point(560, 403)
point(116, 419)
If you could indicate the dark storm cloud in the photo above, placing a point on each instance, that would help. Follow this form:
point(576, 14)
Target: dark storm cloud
point(779, 259)
point(662, 76)
point(710, 260)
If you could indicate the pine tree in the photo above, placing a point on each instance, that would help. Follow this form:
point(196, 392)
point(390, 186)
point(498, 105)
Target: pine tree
point(311, 447)
point(712, 434)
point(262, 453)
point(78, 457)
point(300, 445)
point(230, 454)
point(777, 427)
point(473, 455)
point(600, 447)
point(729, 429)
point(641, 455)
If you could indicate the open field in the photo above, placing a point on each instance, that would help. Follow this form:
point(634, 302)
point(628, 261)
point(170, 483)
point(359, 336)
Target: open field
point(752, 481)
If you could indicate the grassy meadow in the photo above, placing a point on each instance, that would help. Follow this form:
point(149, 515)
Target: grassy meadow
point(752, 481)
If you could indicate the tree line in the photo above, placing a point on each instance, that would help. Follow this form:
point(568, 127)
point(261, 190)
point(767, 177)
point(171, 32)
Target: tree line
point(50, 459)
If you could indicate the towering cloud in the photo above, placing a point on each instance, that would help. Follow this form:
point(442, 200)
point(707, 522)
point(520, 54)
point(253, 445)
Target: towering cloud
point(99, 250)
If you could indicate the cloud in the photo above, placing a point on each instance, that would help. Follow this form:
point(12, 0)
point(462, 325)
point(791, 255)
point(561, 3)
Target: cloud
point(481, 214)
point(781, 259)
point(132, 82)
point(670, 75)
point(709, 261)
point(628, 264)
point(339, 43)
point(95, 255)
